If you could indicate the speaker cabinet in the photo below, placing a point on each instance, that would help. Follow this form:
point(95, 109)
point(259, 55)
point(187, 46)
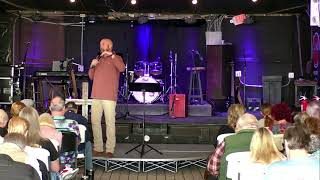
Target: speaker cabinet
point(219, 59)
point(177, 105)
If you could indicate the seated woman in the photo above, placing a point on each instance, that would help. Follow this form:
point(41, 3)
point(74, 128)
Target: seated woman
point(234, 112)
point(263, 152)
point(13, 146)
point(16, 107)
point(48, 129)
point(35, 140)
point(312, 127)
point(281, 118)
point(266, 113)
point(21, 126)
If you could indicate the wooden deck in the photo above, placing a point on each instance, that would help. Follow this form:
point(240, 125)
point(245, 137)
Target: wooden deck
point(191, 173)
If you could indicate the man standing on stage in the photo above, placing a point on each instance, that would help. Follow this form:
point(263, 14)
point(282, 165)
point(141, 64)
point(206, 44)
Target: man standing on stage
point(105, 71)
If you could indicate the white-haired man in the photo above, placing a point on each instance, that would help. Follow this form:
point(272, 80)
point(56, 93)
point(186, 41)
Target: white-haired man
point(239, 142)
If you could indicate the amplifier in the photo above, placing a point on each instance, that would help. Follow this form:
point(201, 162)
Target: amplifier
point(177, 105)
point(6, 90)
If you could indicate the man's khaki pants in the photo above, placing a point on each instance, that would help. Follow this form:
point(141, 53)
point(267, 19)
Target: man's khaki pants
point(109, 109)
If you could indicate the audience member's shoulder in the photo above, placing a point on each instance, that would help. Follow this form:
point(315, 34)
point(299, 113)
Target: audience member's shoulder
point(278, 164)
point(9, 167)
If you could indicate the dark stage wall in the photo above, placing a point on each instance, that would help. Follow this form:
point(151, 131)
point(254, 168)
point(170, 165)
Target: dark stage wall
point(267, 47)
point(142, 42)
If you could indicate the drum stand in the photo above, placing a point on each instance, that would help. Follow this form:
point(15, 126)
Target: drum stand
point(151, 88)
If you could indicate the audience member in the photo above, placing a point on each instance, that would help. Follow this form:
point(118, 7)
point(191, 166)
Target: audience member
point(13, 146)
point(234, 112)
point(13, 170)
point(281, 115)
point(313, 109)
point(299, 166)
point(21, 126)
point(34, 139)
point(266, 113)
point(299, 118)
point(71, 112)
point(48, 128)
point(263, 151)
point(312, 126)
point(16, 107)
point(28, 102)
point(3, 122)
point(57, 108)
point(239, 142)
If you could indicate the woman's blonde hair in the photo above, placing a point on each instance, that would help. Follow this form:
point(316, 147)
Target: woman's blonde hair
point(31, 115)
point(234, 112)
point(16, 107)
point(263, 148)
point(18, 125)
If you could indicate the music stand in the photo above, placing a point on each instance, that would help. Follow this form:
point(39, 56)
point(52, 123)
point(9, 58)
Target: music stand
point(144, 87)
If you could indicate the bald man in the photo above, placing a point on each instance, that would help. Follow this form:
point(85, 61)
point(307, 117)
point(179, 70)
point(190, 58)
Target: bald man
point(105, 72)
point(239, 142)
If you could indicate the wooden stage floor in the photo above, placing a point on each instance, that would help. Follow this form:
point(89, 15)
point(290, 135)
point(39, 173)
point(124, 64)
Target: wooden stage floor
point(190, 173)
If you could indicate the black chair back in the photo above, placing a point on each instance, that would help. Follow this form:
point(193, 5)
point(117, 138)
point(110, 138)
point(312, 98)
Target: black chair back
point(69, 142)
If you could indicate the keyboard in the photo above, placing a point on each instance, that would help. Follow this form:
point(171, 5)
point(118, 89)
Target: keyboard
point(57, 74)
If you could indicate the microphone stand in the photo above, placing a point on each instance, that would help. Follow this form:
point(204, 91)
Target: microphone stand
point(25, 71)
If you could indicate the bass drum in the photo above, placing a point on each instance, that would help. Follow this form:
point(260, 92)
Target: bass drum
point(150, 96)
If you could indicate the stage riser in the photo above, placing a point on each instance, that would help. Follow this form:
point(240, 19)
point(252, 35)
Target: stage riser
point(167, 133)
point(161, 109)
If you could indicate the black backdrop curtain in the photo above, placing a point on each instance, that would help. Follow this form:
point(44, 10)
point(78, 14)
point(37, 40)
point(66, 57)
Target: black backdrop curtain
point(268, 46)
point(148, 42)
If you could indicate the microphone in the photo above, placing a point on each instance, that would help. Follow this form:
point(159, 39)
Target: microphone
point(98, 55)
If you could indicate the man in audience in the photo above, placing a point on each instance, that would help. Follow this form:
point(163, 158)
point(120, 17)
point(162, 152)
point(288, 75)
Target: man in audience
point(245, 127)
point(299, 166)
point(3, 123)
point(313, 109)
point(57, 108)
point(71, 112)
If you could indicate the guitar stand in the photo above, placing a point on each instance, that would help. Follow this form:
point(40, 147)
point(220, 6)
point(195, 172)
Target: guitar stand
point(144, 139)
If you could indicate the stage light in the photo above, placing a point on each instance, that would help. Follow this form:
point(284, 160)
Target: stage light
point(194, 2)
point(133, 2)
point(254, 1)
point(72, 1)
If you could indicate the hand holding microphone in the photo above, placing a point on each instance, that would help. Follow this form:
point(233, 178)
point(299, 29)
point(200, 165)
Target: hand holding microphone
point(94, 63)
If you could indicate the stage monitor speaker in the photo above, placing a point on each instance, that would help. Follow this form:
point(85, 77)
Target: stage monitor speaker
point(272, 86)
point(177, 105)
point(219, 58)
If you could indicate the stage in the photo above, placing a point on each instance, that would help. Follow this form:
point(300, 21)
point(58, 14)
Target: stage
point(136, 108)
point(174, 158)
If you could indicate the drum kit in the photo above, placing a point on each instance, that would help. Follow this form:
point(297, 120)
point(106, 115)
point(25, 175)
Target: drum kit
point(146, 72)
